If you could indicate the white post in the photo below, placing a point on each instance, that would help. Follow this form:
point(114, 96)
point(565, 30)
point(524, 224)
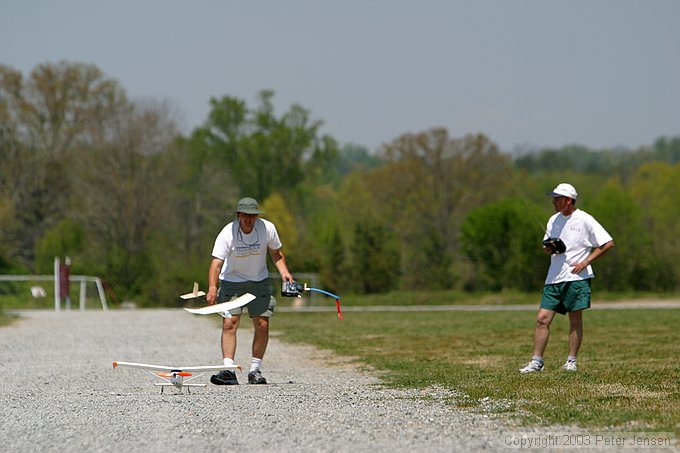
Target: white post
point(83, 294)
point(57, 302)
point(67, 283)
point(102, 295)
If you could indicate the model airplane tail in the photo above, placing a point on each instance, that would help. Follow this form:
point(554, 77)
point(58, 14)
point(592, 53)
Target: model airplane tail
point(193, 294)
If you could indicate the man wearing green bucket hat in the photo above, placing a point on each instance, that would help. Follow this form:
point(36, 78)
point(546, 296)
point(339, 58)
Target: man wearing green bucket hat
point(239, 266)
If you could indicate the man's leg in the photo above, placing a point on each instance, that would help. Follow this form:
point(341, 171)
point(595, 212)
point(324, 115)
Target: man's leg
point(229, 328)
point(575, 332)
point(260, 340)
point(228, 340)
point(261, 336)
point(542, 333)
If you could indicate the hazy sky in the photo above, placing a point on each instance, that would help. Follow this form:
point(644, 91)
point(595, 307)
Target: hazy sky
point(600, 73)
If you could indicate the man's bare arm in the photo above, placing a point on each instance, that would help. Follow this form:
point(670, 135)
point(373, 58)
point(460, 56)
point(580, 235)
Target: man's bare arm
point(213, 280)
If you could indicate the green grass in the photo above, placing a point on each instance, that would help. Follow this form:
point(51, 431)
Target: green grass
point(629, 366)
point(443, 297)
point(453, 297)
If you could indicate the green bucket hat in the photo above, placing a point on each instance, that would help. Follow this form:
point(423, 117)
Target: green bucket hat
point(248, 206)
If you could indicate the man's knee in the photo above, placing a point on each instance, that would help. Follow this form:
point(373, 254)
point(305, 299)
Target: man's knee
point(544, 318)
point(230, 325)
point(261, 323)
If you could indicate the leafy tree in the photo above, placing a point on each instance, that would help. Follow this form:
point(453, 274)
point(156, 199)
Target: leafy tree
point(60, 106)
point(621, 162)
point(264, 153)
point(278, 212)
point(428, 184)
point(375, 258)
point(504, 244)
point(433, 261)
point(629, 266)
point(334, 270)
point(123, 199)
point(355, 158)
point(372, 245)
point(577, 158)
point(655, 188)
point(9, 266)
point(324, 236)
point(44, 119)
point(65, 238)
point(321, 168)
point(667, 149)
point(205, 198)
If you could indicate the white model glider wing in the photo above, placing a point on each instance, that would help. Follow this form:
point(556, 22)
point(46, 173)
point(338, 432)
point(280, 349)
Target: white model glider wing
point(223, 307)
point(195, 369)
point(193, 294)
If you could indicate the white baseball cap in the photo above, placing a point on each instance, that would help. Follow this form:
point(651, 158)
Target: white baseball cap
point(564, 190)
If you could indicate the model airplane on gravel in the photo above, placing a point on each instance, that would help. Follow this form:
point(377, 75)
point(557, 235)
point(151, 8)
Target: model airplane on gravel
point(173, 375)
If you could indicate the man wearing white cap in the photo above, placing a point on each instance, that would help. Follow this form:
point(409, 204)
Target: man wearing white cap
point(239, 266)
point(574, 239)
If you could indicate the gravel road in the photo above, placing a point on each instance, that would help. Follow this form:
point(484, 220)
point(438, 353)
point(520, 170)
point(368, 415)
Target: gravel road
point(61, 394)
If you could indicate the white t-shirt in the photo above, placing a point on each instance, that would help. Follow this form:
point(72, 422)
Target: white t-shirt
point(580, 232)
point(245, 255)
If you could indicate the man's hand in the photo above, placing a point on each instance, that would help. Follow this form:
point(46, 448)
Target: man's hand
point(211, 296)
point(580, 266)
point(555, 245)
point(594, 254)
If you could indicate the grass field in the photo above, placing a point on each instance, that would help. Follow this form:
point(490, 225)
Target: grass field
point(452, 297)
point(629, 366)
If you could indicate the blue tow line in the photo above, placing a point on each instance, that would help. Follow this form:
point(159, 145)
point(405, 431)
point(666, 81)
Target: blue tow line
point(337, 298)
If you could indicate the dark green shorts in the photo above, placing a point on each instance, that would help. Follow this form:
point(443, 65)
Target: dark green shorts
point(264, 302)
point(567, 296)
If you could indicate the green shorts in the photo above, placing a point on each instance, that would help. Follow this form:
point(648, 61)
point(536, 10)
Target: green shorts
point(566, 296)
point(262, 305)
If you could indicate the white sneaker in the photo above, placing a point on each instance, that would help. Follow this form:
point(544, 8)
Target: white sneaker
point(532, 367)
point(569, 366)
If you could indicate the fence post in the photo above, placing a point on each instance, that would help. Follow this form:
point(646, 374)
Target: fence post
point(102, 295)
point(83, 294)
point(57, 302)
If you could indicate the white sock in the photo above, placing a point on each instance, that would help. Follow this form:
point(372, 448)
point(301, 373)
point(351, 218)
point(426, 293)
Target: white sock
point(255, 364)
point(228, 361)
point(537, 358)
point(571, 358)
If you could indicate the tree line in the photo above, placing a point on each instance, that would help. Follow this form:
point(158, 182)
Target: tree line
point(87, 172)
